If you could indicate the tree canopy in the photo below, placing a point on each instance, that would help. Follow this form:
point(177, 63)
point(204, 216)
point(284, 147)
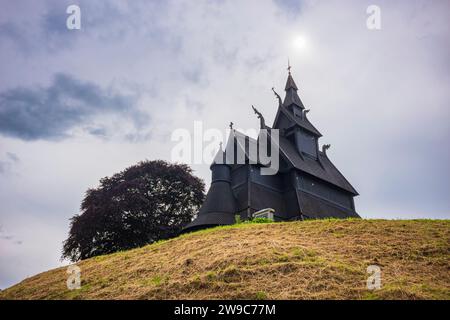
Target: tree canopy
point(145, 203)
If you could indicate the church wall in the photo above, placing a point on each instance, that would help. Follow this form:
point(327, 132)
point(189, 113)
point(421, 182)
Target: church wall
point(292, 210)
point(239, 185)
point(290, 195)
point(262, 197)
point(239, 175)
point(265, 191)
point(324, 190)
point(274, 182)
point(241, 195)
point(317, 208)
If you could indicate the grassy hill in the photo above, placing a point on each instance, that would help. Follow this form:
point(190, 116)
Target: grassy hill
point(324, 259)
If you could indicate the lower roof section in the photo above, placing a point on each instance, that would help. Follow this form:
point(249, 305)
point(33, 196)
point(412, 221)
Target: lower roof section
point(210, 219)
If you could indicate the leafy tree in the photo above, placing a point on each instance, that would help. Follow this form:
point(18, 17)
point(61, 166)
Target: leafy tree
point(144, 203)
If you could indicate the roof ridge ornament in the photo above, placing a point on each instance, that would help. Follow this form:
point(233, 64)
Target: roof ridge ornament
point(289, 67)
point(260, 117)
point(325, 147)
point(280, 102)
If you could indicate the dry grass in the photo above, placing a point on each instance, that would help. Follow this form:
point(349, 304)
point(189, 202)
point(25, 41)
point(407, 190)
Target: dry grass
point(324, 259)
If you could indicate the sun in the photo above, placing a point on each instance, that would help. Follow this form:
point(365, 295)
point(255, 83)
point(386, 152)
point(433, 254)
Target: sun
point(300, 43)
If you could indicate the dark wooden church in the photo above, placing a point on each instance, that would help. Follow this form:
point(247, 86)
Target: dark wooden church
point(307, 185)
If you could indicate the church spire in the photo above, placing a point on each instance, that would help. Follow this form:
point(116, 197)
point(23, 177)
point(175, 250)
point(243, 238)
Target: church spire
point(291, 91)
point(290, 84)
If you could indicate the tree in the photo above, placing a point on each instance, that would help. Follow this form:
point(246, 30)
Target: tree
point(145, 203)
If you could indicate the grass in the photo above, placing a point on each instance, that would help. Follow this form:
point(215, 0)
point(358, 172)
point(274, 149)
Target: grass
point(321, 259)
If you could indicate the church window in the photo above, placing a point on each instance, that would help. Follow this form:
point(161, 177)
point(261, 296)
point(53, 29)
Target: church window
point(298, 112)
point(306, 143)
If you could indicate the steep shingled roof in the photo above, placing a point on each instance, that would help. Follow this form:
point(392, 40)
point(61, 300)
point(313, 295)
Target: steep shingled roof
point(302, 122)
point(290, 83)
point(324, 170)
point(291, 94)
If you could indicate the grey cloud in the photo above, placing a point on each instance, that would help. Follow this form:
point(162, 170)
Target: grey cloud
point(193, 73)
point(20, 36)
point(291, 6)
point(2, 167)
point(44, 29)
point(48, 113)
point(8, 237)
point(13, 157)
point(54, 20)
point(98, 131)
point(99, 20)
point(53, 31)
point(6, 165)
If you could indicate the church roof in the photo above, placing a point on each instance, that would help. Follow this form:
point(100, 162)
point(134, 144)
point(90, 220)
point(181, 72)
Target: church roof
point(245, 144)
point(211, 219)
point(325, 170)
point(291, 93)
point(302, 122)
point(290, 83)
point(220, 157)
point(292, 98)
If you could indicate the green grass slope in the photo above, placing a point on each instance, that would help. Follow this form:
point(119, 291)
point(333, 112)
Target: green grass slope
point(322, 259)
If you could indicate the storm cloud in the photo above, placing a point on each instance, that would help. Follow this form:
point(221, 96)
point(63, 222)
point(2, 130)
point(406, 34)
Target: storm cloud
point(51, 112)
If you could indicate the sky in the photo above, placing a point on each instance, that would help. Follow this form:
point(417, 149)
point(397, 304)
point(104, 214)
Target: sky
point(79, 105)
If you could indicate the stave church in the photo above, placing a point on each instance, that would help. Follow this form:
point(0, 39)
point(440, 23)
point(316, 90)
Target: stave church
point(306, 186)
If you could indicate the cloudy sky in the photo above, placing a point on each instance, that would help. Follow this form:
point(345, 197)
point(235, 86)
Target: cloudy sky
point(78, 105)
